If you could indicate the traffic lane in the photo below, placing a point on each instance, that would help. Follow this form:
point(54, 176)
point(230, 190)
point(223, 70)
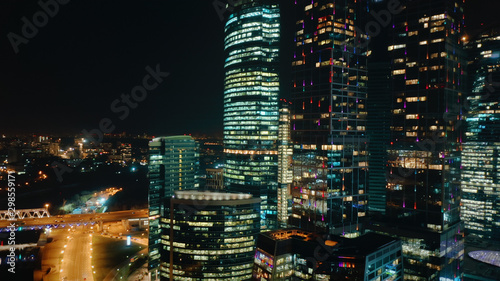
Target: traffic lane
point(84, 218)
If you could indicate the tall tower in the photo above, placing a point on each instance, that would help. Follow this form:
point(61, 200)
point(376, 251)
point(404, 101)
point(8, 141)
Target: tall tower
point(211, 236)
point(427, 93)
point(285, 172)
point(480, 156)
point(329, 122)
point(251, 89)
point(173, 163)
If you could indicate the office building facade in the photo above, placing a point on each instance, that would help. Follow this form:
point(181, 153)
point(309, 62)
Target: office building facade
point(294, 254)
point(480, 157)
point(251, 88)
point(210, 236)
point(214, 179)
point(285, 172)
point(329, 94)
point(427, 95)
point(173, 164)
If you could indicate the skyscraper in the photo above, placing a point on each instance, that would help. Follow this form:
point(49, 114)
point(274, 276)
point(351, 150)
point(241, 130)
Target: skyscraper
point(285, 172)
point(251, 88)
point(379, 112)
point(214, 179)
point(210, 236)
point(480, 156)
point(427, 93)
point(173, 163)
point(328, 126)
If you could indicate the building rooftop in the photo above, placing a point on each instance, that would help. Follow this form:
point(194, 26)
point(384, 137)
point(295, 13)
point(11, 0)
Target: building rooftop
point(181, 137)
point(362, 245)
point(210, 195)
point(489, 257)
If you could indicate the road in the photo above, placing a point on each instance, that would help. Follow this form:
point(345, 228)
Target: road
point(68, 256)
point(76, 262)
point(79, 219)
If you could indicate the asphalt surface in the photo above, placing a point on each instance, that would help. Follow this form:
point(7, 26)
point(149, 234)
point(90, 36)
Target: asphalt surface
point(78, 219)
point(76, 262)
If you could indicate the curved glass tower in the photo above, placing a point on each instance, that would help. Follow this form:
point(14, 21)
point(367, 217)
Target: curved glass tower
point(211, 236)
point(251, 88)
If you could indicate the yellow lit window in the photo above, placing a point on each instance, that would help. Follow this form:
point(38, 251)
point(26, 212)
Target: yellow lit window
point(412, 82)
point(398, 72)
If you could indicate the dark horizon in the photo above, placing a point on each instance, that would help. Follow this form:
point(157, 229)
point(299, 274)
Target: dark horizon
point(65, 79)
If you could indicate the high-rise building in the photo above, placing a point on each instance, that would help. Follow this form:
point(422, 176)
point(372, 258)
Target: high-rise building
point(295, 254)
point(173, 163)
point(480, 157)
point(427, 93)
point(285, 172)
point(210, 236)
point(330, 159)
point(379, 111)
point(214, 179)
point(251, 88)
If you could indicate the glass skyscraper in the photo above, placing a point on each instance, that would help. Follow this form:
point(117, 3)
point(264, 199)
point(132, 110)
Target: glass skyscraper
point(285, 172)
point(251, 88)
point(480, 156)
point(173, 163)
point(329, 94)
point(427, 88)
point(210, 236)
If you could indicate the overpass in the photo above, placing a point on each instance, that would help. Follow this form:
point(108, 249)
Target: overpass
point(38, 221)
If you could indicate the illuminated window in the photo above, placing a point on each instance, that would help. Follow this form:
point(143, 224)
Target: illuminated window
point(395, 47)
point(398, 72)
point(412, 82)
point(415, 99)
point(437, 29)
point(438, 17)
point(421, 20)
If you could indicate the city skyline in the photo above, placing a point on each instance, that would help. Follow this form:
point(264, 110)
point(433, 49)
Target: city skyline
point(250, 140)
point(77, 68)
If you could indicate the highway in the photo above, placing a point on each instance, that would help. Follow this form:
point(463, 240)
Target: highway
point(76, 259)
point(65, 220)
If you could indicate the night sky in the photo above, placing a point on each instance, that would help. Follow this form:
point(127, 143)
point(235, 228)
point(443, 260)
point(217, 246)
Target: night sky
point(66, 77)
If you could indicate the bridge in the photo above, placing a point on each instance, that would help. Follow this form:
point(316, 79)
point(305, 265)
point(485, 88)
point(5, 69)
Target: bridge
point(23, 214)
point(70, 220)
